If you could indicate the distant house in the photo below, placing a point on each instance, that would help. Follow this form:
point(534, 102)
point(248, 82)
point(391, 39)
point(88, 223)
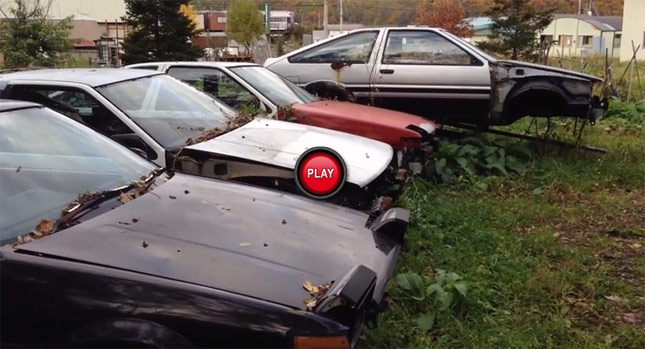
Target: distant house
point(583, 35)
point(633, 29)
point(482, 27)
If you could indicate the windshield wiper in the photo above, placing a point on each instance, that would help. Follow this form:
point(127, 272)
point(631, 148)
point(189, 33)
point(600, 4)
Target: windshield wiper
point(88, 202)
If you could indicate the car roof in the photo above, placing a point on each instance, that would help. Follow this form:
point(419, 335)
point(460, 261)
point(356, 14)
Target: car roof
point(92, 77)
point(9, 105)
point(198, 63)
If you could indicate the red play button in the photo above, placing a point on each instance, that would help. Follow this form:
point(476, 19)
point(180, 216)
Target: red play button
point(320, 172)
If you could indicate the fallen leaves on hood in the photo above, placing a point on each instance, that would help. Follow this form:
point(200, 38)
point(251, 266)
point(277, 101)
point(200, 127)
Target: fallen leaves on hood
point(316, 293)
point(45, 227)
point(125, 197)
point(245, 244)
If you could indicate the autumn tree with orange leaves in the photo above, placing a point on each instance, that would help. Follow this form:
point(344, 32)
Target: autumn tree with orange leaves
point(446, 14)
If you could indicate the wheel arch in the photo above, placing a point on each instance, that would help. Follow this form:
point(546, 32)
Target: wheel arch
point(535, 98)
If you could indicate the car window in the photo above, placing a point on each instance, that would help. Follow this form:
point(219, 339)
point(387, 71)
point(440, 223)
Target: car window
point(274, 87)
point(423, 47)
point(170, 111)
point(76, 104)
point(217, 84)
point(355, 47)
point(47, 160)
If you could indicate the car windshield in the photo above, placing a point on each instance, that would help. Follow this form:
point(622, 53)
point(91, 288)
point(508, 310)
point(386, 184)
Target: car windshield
point(167, 109)
point(47, 160)
point(275, 88)
point(478, 50)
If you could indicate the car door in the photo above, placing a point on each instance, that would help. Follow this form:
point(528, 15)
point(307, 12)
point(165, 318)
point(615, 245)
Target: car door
point(217, 84)
point(424, 72)
point(347, 60)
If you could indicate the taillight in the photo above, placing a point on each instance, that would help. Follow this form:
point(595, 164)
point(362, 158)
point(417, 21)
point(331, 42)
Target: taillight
point(321, 342)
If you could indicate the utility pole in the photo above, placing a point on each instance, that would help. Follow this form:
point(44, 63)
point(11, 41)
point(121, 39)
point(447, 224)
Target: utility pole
point(325, 19)
point(341, 17)
point(579, 7)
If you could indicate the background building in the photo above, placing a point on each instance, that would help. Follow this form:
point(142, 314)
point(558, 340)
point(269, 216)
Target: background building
point(584, 35)
point(633, 29)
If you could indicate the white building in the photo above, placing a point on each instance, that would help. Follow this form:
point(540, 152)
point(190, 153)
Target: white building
point(633, 29)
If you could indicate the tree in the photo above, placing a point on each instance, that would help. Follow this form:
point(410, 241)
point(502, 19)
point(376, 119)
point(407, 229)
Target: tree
point(244, 23)
point(446, 14)
point(29, 38)
point(161, 32)
point(515, 27)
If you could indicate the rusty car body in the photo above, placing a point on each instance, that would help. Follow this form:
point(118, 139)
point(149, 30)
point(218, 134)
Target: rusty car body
point(433, 73)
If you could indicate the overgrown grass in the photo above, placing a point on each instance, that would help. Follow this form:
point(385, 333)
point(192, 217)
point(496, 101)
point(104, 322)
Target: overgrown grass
point(553, 257)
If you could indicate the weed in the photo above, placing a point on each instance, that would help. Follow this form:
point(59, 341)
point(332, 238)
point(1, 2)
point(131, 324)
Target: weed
point(553, 257)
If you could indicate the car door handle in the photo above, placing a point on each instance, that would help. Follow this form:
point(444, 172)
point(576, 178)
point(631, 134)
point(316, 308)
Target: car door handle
point(387, 71)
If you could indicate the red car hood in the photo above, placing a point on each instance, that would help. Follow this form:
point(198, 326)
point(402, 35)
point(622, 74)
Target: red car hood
point(385, 125)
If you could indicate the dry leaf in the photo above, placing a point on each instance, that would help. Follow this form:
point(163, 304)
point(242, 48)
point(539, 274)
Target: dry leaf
point(224, 208)
point(44, 228)
point(125, 197)
point(284, 221)
point(172, 197)
point(636, 245)
point(245, 244)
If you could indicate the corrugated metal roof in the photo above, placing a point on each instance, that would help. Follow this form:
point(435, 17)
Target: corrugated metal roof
point(605, 23)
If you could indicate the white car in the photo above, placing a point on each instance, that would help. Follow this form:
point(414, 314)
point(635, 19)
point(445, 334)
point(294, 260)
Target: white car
point(182, 129)
point(433, 73)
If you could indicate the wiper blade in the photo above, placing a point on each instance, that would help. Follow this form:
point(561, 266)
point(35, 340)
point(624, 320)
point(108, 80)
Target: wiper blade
point(87, 202)
point(90, 200)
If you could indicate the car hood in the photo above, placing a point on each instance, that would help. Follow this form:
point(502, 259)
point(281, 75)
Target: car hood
point(280, 143)
point(227, 236)
point(515, 64)
point(354, 112)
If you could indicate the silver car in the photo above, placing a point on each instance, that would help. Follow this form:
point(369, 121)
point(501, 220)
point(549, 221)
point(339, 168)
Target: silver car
point(432, 73)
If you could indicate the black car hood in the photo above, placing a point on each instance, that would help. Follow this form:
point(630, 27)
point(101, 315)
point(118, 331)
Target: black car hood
point(228, 236)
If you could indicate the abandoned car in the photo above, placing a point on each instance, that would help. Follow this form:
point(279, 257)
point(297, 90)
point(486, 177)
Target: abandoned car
point(142, 257)
point(242, 84)
point(435, 74)
point(182, 129)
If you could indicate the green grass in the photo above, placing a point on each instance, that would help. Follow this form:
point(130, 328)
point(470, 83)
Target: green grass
point(552, 258)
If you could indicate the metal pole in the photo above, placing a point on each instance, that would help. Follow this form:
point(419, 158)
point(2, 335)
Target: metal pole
point(325, 19)
point(579, 6)
point(341, 17)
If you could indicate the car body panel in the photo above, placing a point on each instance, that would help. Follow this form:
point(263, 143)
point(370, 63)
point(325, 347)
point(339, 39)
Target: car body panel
point(280, 143)
point(227, 236)
point(385, 125)
point(451, 93)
